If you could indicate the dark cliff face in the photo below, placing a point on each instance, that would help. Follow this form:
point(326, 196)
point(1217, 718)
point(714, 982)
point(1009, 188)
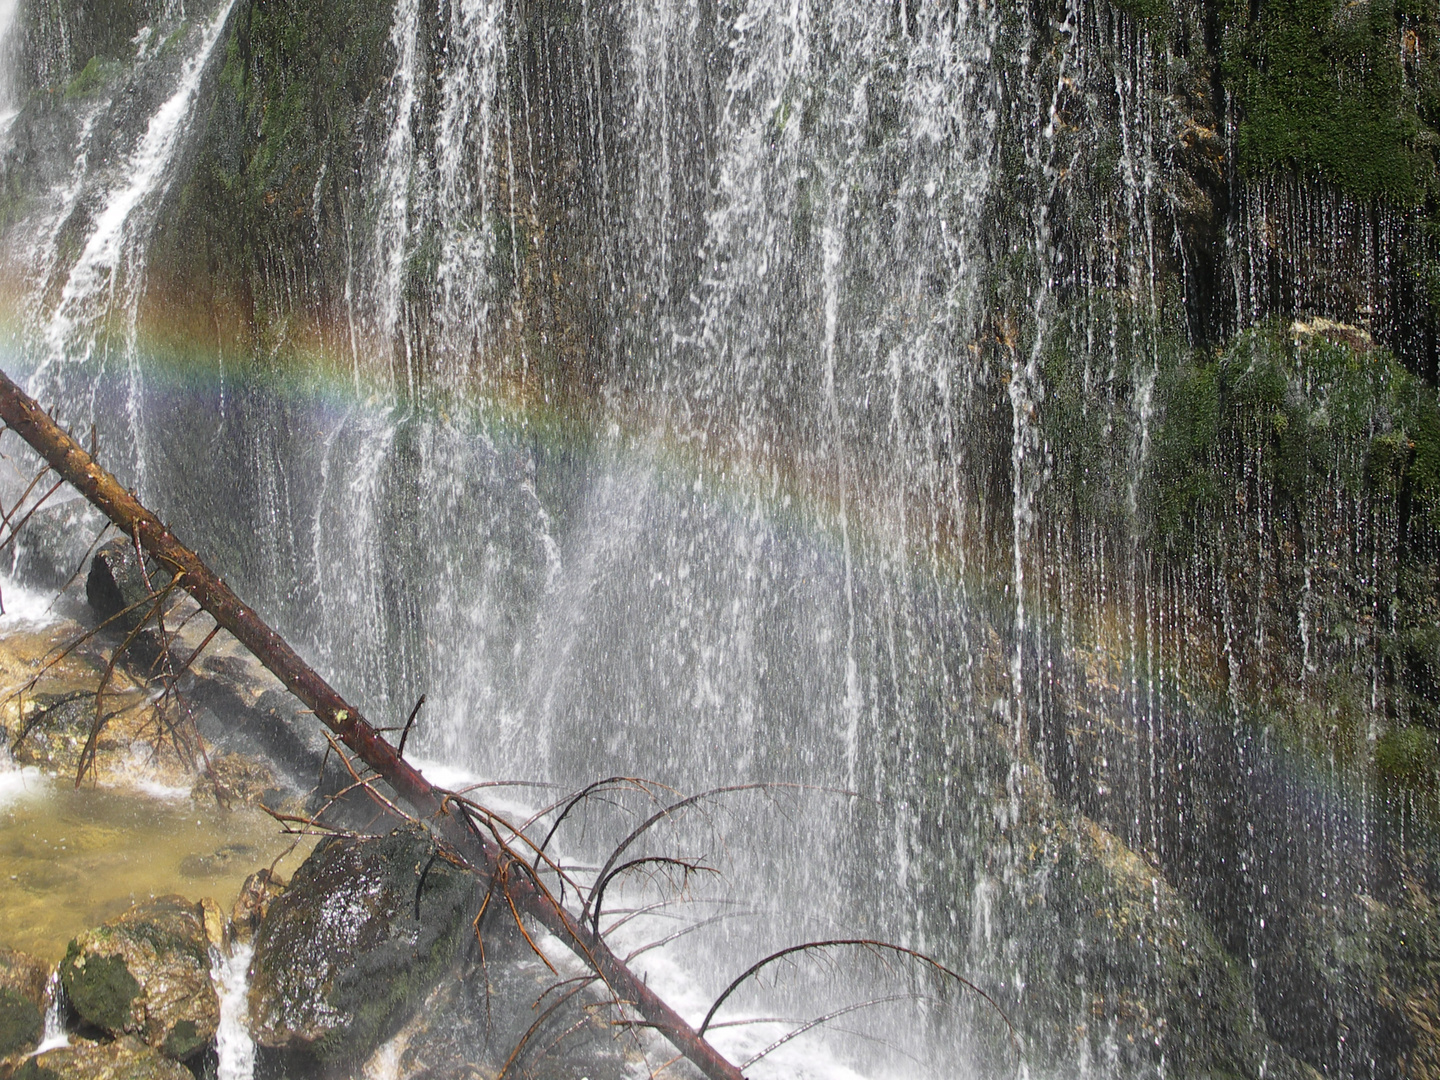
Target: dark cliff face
point(55, 41)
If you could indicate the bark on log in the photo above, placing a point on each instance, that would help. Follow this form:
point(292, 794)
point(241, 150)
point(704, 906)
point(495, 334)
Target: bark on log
point(28, 420)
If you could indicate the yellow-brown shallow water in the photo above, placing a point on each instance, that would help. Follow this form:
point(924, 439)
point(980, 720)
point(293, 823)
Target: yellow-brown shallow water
point(72, 859)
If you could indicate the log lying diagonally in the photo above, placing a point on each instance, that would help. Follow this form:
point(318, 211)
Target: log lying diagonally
point(485, 854)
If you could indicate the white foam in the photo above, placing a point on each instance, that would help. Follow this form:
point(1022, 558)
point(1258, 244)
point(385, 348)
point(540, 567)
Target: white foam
point(233, 1045)
point(17, 783)
point(24, 606)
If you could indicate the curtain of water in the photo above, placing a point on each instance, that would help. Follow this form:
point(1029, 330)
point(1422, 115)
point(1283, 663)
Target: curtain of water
point(868, 309)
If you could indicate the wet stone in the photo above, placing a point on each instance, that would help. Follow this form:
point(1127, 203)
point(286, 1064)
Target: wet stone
point(472, 1026)
point(118, 587)
point(54, 728)
point(235, 779)
point(53, 543)
point(256, 895)
point(147, 973)
point(125, 1059)
point(22, 1002)
point(341, 959)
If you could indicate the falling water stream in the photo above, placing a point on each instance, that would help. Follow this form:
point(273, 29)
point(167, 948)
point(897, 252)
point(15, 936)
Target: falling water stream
point(745, 394)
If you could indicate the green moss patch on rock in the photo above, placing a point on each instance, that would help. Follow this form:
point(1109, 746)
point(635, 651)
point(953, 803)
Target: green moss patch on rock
point(341, 957)
point(22, 1002)
point(1323, 89)
point(100, 988)
point(147, 973)
point(1298, 466)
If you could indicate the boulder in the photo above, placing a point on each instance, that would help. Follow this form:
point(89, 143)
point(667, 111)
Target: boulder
point(472, 1025)
point(117, 582)
point(126, 1058)
point(147, 973)
point(343, 956)
point(22, 1002)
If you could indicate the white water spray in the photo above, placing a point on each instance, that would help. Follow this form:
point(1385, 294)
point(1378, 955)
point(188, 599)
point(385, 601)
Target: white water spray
point(233, 1045)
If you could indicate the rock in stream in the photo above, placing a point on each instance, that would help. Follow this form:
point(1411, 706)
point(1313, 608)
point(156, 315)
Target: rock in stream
point(147, 973)
point(22, 1002)
point(364, 931)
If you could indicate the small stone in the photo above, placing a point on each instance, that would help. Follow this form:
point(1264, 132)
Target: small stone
point(259, 890)
point(214, 920)
point(147, 973)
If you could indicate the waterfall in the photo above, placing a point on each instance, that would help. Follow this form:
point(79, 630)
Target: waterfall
point(97, 308)
point(234, 1048)
point(7, 92)
point(920, 404)
point(54, 1034)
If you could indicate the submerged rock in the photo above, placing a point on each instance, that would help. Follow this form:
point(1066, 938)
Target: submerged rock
point(365, 930)
point(125, 1059)
point(53, 730)
point(22, 1002)
point(147, 973)
point(236, 779)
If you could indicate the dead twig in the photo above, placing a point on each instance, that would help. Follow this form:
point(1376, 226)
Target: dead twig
point(869, 944)
point(408, 725)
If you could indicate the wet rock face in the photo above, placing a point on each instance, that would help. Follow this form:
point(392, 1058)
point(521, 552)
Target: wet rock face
point(52, 545)
point(341, 957)
point(125, 1059)
point(1109, 962)
point(147, 974)
point(22, 1002)
point(472, 1026)
point(117, 582)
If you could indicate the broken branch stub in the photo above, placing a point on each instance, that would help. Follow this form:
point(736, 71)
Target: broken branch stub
point(486, 855)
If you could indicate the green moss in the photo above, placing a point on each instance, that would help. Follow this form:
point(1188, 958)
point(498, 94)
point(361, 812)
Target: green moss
point(1321, 91)
point(1313, 413)
point(1407, 756)
point(100, 987)
point(1145, 11)
point(93, 77)
point(183, 1041)
point(20, 1023)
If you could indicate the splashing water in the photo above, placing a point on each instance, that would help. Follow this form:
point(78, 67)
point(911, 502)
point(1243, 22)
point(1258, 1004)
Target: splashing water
point(234, 1048)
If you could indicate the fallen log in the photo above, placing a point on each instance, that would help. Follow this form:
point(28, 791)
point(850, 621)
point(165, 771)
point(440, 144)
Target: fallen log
point(486, 855)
